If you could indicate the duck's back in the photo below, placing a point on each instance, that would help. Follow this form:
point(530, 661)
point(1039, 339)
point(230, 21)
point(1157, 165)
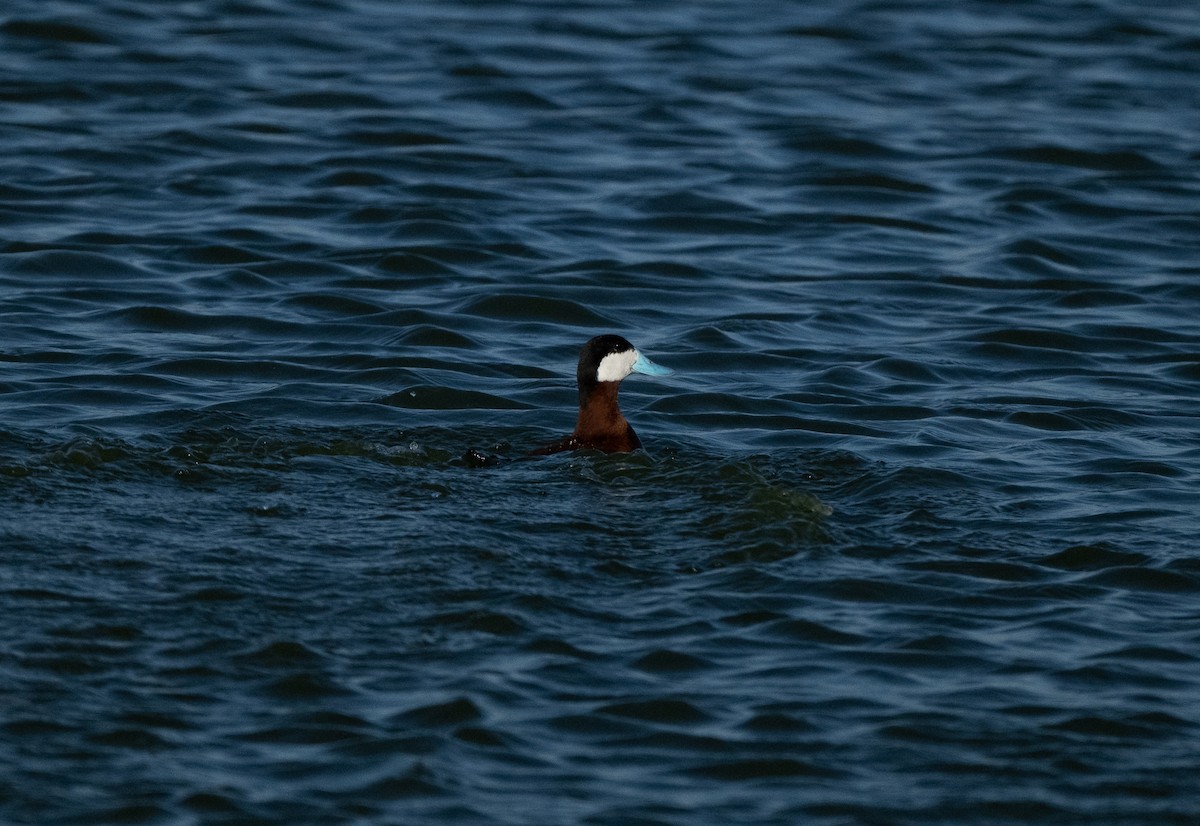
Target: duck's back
point(625, 441)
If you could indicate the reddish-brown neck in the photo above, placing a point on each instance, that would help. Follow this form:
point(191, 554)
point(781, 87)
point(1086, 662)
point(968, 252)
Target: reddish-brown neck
point(599, 413)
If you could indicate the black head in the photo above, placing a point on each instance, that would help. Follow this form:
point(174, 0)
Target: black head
point(592, 354)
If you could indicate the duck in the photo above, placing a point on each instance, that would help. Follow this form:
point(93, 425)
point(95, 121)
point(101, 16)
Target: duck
point(603, 362)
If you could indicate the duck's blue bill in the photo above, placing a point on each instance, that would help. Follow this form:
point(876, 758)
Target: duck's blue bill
point(644, 365)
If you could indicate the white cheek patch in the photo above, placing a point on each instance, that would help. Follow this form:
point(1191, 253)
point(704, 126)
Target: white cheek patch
point(616, 366)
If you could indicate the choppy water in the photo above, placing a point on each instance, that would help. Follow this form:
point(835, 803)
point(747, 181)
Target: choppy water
point(914, 539)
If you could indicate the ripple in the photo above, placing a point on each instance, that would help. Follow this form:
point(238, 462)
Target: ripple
point(1119, 161)
point(440, 715)
point(1092, 558)
point(669, 661)
point(1141, 578)
point(300, 687)
point(661, 710)
point(426, 397)
point(835, 142)
point(281, 655)
point(74, 264)
point(761, 769)
point(398, 137)
point(416, 781)
point(52, 30)
point(809, 631)
point(535, 308)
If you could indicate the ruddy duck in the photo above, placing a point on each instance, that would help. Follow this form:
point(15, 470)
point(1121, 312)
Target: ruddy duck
point(603, 362)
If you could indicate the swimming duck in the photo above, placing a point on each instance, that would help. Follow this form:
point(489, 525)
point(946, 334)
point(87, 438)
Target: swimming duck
point(603, 362)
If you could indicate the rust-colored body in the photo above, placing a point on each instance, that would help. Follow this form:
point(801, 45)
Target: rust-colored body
point(600, 425)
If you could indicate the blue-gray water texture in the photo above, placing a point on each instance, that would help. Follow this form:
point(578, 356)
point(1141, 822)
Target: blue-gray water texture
point(289, 288)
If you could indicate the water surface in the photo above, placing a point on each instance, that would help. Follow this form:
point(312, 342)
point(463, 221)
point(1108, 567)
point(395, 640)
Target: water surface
point(290, 288)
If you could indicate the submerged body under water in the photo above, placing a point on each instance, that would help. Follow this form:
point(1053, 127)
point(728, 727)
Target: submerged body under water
point(291, 290)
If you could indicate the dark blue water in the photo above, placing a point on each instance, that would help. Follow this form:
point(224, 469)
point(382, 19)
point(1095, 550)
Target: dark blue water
point(289, 287)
